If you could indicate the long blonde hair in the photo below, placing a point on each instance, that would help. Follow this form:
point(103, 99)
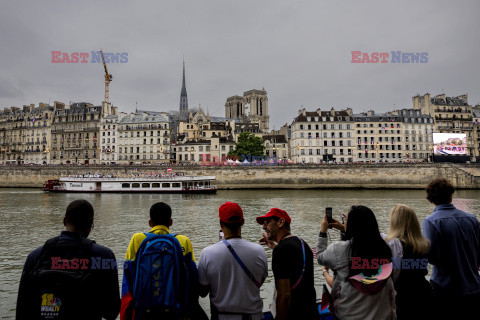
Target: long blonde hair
point(404, 225)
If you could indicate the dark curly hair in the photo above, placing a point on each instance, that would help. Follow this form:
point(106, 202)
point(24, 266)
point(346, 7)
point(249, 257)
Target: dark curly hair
point(440, 191)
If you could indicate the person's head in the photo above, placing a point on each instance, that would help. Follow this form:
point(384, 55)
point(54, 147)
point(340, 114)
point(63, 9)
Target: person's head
point(79, 217)
point(160, 214)
point(404, 225)
point(231, 217)
point(275, 223)
point(367, 243)
point(440, 191)
point(360, 222)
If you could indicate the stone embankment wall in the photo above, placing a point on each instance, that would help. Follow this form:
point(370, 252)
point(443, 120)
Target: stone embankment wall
point(385, 176)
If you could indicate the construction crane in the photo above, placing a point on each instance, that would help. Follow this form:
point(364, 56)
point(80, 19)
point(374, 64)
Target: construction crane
point(108, 79)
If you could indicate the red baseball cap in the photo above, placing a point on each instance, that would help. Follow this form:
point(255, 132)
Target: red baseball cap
point(230, 212)
point(275, 212)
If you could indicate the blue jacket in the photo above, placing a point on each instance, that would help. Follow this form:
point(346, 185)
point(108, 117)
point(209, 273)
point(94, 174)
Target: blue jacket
point(455, 249)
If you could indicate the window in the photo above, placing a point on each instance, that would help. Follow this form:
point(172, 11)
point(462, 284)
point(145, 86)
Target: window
point(176, 185)
point(135, 185)
point(125, 185)
point(155, 185)
point(145, 185)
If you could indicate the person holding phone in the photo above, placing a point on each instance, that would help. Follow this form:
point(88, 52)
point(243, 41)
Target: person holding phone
point(362, 254)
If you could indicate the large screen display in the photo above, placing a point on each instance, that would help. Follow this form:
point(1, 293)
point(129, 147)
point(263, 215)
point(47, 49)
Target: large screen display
point(450, 143)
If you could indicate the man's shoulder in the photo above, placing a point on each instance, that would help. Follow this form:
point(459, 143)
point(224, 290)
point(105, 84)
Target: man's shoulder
point(213, 248)
point(181, 238)
point(101, 251)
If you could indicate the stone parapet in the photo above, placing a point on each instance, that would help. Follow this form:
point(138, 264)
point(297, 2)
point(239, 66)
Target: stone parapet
point(358, 176)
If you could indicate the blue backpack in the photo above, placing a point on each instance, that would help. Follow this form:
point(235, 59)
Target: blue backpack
point(163, 278)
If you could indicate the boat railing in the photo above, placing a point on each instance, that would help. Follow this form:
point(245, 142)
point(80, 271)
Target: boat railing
point(153, 178)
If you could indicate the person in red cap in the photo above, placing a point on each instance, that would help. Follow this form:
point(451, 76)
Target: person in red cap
point(232, 270)
point(292, 265)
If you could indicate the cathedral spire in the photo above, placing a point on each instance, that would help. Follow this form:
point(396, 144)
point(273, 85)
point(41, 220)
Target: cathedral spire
point(183, 93)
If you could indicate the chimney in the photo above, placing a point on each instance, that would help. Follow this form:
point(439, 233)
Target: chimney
point(464, 97)
point(441, 96)
point(350, 112)
point(319, 111)
point(332, 112)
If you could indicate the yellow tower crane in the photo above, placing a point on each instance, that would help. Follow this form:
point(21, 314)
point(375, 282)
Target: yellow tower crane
point(108, 79)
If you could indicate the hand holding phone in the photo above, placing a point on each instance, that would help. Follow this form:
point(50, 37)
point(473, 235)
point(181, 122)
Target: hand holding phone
point(328, 213)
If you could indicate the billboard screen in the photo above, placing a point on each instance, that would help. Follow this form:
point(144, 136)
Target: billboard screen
point(450, 143)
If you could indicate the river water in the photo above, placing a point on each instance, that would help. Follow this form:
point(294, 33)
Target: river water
point(29, 217)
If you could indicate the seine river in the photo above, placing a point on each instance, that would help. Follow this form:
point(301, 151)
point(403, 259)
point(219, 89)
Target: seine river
point(29, 217)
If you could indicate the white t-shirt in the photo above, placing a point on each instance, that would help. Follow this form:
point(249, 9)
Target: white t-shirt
point(231, 290)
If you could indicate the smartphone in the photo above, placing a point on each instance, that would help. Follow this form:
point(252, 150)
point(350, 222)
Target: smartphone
point(220, 235)
point(328, 212)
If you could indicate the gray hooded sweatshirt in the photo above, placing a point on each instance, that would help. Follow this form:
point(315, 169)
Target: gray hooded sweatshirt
point(349, 303)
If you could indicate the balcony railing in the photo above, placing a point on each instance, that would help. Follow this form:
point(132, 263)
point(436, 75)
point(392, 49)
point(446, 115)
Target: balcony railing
point(437, 118)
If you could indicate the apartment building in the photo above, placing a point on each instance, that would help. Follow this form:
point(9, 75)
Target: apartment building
point(25, 134)
point(276, 146)
point(109, 138)
point(204, 151)
point(450, 114)
point(418, 130)
point(476, 130)
point(75, 132)
point(320, 136)
point(143, 137)
point(379, 137)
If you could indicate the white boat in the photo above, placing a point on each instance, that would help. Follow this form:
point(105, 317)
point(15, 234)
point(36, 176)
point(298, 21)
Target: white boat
point(170, 183)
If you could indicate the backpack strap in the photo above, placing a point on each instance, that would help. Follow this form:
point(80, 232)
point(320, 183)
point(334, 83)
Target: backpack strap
point(240, 262)
point(304, 265)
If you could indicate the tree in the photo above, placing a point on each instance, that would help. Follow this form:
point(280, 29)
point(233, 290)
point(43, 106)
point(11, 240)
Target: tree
point(248, 143)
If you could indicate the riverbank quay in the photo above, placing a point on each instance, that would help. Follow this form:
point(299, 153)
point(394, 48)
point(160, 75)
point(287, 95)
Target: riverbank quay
point(341, 176)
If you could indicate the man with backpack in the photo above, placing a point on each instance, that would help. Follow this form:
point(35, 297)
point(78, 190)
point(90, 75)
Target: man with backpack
point(70, 277)
point(160, 279)
point(233, 270)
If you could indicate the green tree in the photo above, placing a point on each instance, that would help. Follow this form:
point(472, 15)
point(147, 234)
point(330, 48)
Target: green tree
point(248, 143)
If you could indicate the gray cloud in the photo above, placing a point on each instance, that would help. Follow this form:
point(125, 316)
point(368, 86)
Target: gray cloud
point(298, 51)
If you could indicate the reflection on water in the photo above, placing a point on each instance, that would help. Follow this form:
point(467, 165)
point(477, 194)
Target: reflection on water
point(29, 217)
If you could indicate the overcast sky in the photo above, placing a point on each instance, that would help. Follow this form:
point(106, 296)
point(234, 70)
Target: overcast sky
point(299, 51)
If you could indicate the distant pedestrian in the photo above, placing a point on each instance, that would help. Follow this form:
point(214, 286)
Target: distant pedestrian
point(409, 249)
point(59, 280)
point(454, 253)
point(292, 265)
point(232, 270)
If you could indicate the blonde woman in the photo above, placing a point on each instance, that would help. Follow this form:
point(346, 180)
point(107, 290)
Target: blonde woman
point(409, 249)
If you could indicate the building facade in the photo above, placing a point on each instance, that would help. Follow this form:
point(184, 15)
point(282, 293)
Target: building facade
point(25, 134)
point(418, 131)
point(450, 115)
point(214, 150)
point(75, 132)
point(276, 146)
point(322, 136)
point(143, 137)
